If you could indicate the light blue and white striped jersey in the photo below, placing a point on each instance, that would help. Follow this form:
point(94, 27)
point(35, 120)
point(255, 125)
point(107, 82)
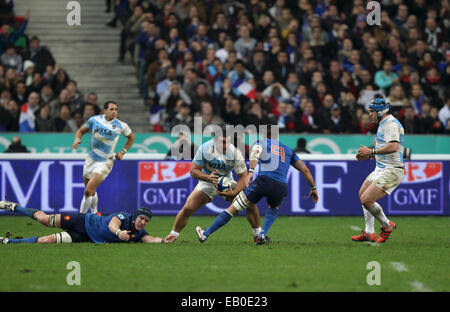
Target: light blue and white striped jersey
point(212, 160)
point(104, 136)
point(390, 129)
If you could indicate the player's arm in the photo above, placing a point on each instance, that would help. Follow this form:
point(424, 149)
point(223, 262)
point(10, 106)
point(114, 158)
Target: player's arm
point(151, 239)
point(197, 173)
point(365, 152)
point(241, 171)
point(230, 194)
point(128, 143)
point(80, 132)
point(255, 154)
point(114, 227)
point(300, 166)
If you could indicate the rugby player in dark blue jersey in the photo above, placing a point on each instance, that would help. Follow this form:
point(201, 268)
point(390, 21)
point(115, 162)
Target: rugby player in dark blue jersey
point(274, 159)
point(121, 227)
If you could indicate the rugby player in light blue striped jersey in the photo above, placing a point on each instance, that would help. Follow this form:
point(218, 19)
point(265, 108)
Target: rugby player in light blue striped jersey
point(105, 132)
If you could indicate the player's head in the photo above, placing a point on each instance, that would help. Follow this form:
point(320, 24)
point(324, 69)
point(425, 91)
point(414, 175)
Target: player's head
point(110, 109)
point(377, 108)
point(141, 217)
point(222, 141)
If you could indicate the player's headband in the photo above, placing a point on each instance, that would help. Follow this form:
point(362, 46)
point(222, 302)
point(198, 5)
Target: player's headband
point(380, 105)
point(142, 212)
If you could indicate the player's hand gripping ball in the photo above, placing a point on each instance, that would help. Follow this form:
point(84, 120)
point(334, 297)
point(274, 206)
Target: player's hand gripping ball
point(224, 184)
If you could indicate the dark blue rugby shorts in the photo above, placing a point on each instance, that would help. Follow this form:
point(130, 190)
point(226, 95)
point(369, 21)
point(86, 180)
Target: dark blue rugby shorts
point(264, 186)
point(74, 225)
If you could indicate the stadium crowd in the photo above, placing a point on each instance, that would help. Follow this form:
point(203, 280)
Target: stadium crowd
point(35, 93)
point(312, 66)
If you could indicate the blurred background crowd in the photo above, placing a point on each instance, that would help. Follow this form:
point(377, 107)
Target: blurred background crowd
point(312, 66)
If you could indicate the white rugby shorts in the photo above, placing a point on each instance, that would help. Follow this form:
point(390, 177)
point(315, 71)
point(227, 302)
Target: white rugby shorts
point(209, 188)
point(91, 166)
point(386, 179)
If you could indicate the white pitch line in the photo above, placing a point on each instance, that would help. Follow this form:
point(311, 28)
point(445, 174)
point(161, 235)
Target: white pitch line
point(398, 266)
point(419, 287)
point(356, 228)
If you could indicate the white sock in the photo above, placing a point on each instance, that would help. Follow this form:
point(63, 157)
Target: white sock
point(85, 204)
point(370, 220)
point(378, 213)
point(256, 231)
point(174, 233)
point(94, 203)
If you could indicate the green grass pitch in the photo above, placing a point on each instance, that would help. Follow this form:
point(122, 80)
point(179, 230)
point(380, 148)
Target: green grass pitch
point(308, 254)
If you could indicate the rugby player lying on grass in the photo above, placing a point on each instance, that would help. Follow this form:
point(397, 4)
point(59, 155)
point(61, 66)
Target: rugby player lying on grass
point(121, 227)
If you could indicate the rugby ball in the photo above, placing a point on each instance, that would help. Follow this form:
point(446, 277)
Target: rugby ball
point(224, 184)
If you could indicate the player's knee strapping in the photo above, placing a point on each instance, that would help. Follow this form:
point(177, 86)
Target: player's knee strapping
point(63, 238)
point(240, 202)
point(52, 220)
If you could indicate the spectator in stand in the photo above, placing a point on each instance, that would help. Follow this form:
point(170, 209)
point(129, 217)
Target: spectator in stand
point(64, 122)
point(417, 98)
point(64, 99)
point(44, 122)
point(216, 75)
point(92, 98)
point(239, 73)
point(16, 146)
point(433, 33)
point(233, 113)
point(285, 116)
point(339, 124)
point(245, 44)
point(444, 114)
point(307, 122)
point(164, 85)
point(386, 77)
point(20, 93)
point(76, 98)
point(14, 114)
point(281, 68)
point(364, 125)
point(258, 116)
point(60, 81)
point(78, 118)
point(10, 58)
point(130, 32)
point(182, 117)
point(431, 123)
point(208, 116)
point(397, 99)
point(11, 79)
point(301, 147)
point(88, 111)
point(5, 97)
point(201, 95)
point(48, 97)
point(170, 98)
point(146, 41)
point(39, 55)
point(191, 79)
point(36, 84)
point(5, 117)
point(411, 123)
point(11, 37)
point(28, 71)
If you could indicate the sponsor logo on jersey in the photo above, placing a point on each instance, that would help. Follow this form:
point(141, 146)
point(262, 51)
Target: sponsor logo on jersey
point(103, 131)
